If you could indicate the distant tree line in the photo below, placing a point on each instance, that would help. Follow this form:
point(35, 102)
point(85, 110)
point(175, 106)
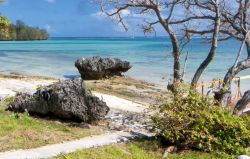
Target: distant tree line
point(20, 31)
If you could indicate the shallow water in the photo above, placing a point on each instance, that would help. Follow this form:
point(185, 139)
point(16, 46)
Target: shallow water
point(151, 57)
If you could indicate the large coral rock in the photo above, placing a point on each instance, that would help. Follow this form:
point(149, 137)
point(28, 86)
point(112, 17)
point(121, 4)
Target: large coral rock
point(65, 99)
point(97, 68)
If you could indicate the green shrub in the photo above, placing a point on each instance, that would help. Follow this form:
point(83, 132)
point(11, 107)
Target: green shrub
point(193, 122)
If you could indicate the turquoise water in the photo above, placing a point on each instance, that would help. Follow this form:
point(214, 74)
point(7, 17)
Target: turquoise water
point(151, 57)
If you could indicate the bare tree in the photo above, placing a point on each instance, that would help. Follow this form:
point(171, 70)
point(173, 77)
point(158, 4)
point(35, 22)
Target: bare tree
point(161, 12)
point(235, 24)
point(220, 23)
point(210, 28)
point(164, 13)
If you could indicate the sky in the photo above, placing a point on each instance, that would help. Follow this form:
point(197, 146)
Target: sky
point(65, 18)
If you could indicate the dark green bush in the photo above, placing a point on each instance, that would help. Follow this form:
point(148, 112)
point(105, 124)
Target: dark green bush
point(192, 122)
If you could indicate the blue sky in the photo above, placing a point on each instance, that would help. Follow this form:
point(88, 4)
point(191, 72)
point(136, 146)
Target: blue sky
point(63, 17)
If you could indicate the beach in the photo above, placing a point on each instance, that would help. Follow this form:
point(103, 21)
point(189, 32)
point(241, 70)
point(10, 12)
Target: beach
point(131, 99)
point(123, 87)
point(150, 56)
point(136, 79)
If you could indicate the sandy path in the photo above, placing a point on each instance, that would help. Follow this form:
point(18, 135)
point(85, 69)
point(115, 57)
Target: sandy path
point(68, 147)
point(114, 102)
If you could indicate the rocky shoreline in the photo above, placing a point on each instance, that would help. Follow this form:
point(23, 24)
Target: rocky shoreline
point(127, 98)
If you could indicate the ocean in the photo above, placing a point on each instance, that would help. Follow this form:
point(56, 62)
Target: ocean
point(150, 56)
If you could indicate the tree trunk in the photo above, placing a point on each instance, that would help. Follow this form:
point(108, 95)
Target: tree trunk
point(212, 51)
point(225, 93)
point(241, 105)
point(248, 47)
point(203, 66)
point(176, 55)
point(175, 46)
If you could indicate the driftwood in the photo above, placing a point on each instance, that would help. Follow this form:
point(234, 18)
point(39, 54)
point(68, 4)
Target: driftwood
point(226, 95)
point(235, 24)
point(242, 104)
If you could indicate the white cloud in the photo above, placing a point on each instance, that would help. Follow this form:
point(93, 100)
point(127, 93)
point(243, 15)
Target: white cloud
point(132, 20)
point(126, 14)
point(49, 28)
point(50, 1)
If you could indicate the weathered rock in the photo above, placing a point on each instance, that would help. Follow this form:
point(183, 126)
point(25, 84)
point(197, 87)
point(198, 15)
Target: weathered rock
point(97, 68)
point(65, 99)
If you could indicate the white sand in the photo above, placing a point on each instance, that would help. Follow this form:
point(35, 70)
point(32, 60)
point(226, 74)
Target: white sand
point(114, 102)
point(9, 87)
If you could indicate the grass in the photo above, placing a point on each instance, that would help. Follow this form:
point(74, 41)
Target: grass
point(28, 132)
point(134, 150)
point(137, 150)
point(198, 155)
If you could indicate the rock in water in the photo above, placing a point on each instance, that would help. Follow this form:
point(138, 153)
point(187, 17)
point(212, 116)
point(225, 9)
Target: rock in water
point(97, 68)
point(65, 99)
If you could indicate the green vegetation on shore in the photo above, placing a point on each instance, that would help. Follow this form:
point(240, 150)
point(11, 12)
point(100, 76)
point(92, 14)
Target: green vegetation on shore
point(134, 150)
point(138, 150)
point(20, 131)
point(20, 31)
point(193, 122)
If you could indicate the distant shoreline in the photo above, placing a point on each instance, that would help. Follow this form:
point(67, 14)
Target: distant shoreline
point(22, 76)
point(25, 40)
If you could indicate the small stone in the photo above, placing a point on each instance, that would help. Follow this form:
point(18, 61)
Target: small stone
point(58, 122)
point(169, 150)
point(124, 139)
point(83, 125)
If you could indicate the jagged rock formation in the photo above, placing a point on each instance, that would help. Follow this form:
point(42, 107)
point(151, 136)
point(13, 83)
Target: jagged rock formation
point(97, 68)
point(67, 99)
